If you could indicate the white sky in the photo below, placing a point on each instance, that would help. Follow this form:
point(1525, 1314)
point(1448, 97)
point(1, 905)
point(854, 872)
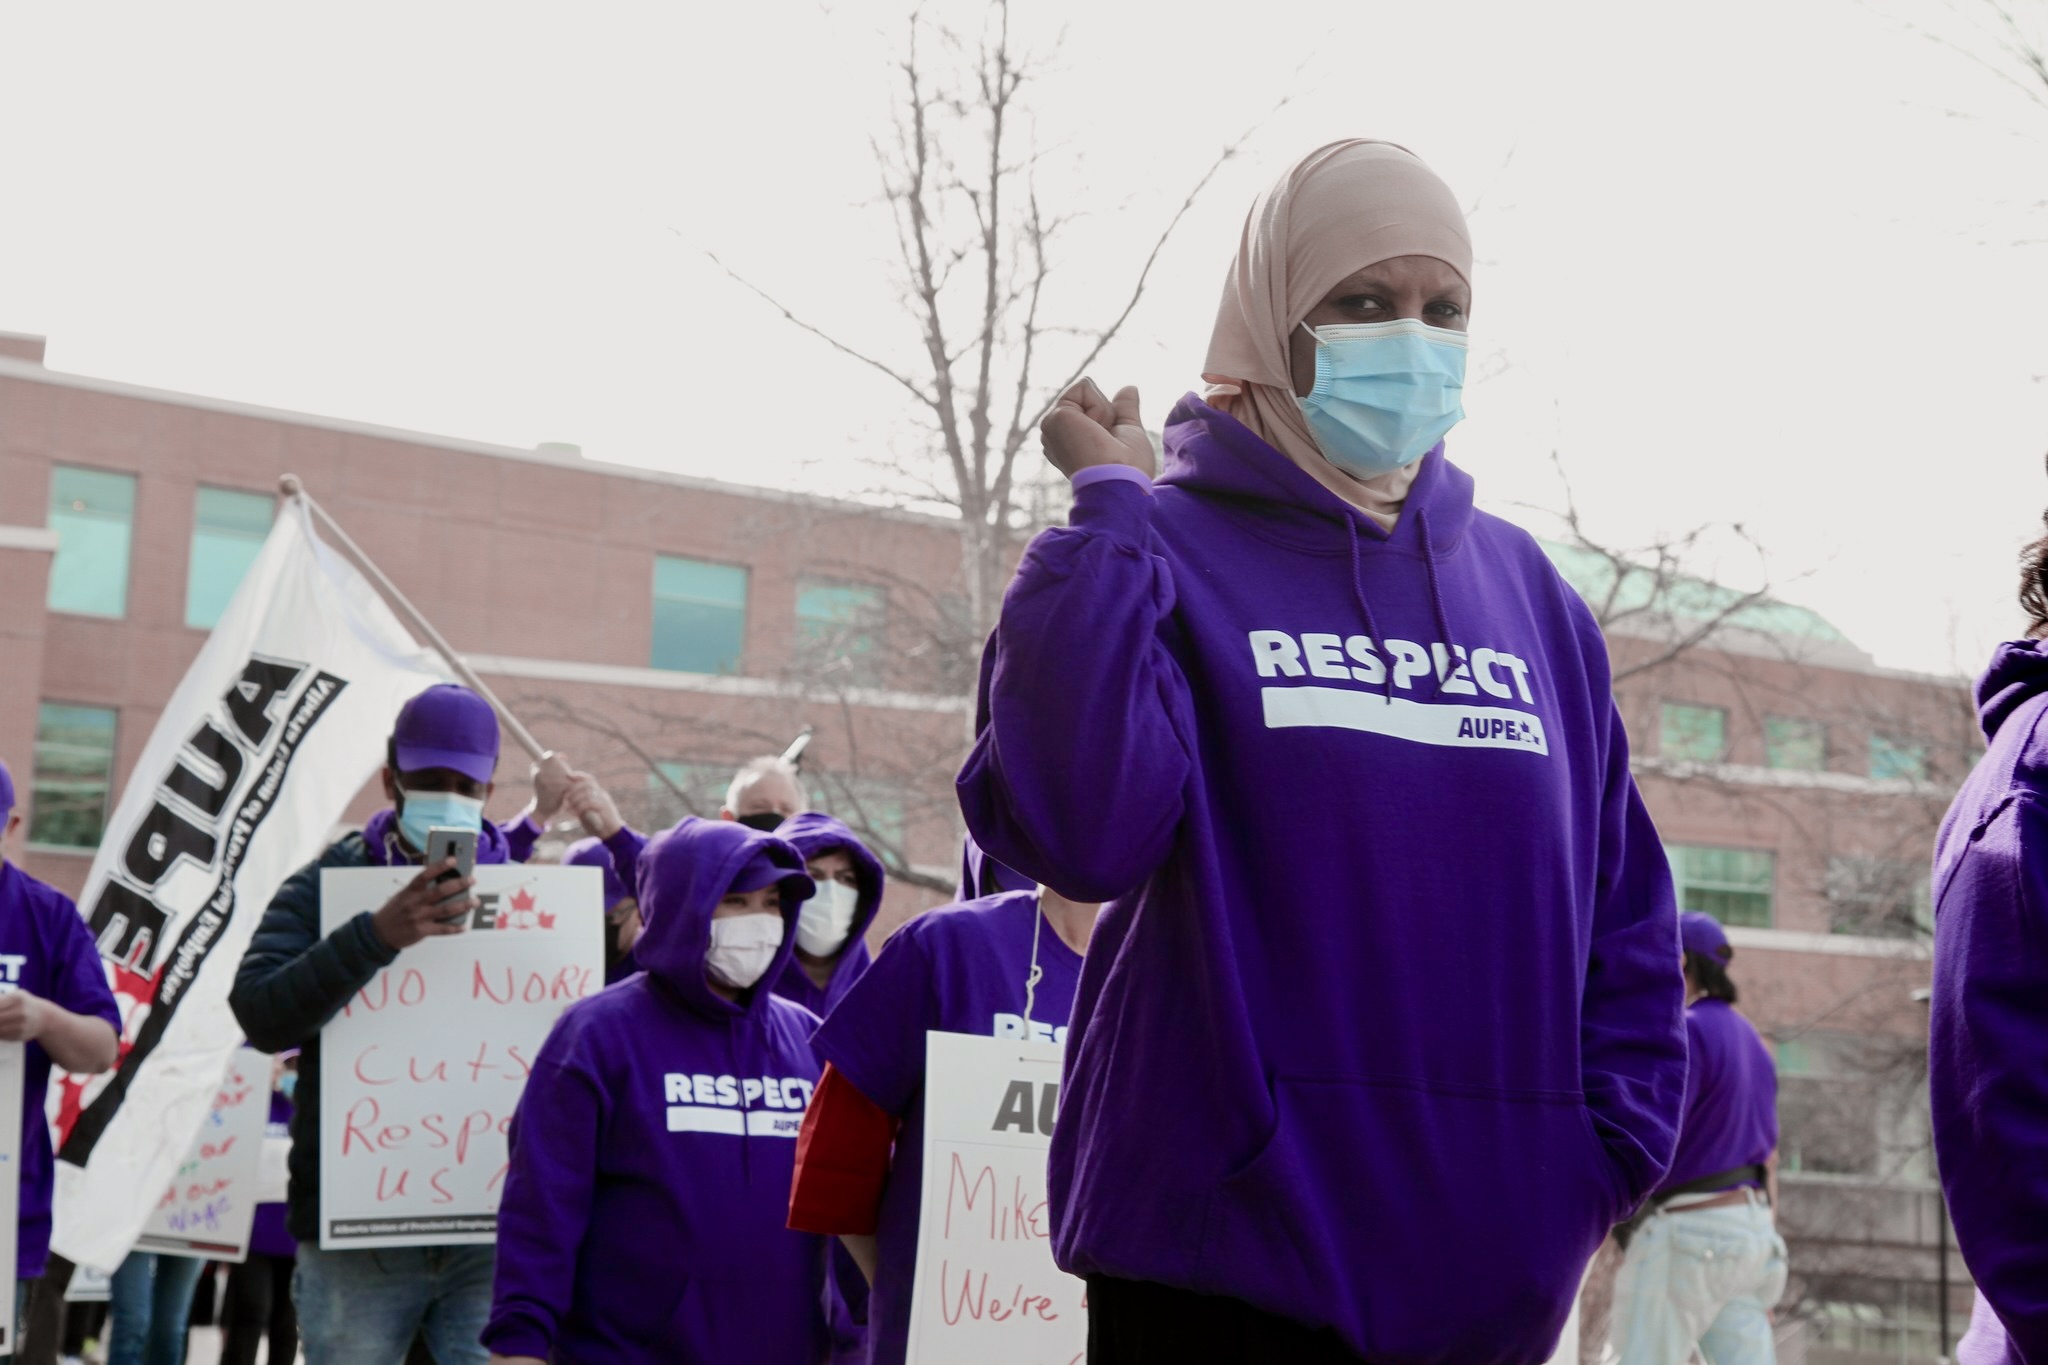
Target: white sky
point(1757, 262)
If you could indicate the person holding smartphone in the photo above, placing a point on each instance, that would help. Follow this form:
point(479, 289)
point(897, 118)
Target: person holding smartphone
point(367, 1306)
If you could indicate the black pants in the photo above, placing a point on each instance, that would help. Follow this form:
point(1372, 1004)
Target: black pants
point(1136, 1322)
point(259, 1303)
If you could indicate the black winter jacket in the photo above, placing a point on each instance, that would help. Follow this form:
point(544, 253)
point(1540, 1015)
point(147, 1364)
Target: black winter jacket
point(291, 982)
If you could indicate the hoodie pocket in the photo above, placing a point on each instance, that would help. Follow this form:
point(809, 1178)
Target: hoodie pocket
point(1373, 1194)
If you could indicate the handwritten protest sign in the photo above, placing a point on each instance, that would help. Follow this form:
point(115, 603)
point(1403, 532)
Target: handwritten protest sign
point(12, 1074)
point(211, 1204)
point(421, 1071)
point(986, 1287)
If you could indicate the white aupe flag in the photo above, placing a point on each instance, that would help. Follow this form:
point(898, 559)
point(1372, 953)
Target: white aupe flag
point(278, 723)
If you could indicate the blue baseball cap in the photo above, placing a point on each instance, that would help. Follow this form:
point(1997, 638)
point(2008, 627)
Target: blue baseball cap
point(6, 791)
point(447, 727)
point(1703, 934)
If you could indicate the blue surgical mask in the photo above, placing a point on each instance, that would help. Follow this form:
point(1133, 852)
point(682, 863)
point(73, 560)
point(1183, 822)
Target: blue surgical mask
point(288, 1083)
point(423, 811)
point(1385, 393)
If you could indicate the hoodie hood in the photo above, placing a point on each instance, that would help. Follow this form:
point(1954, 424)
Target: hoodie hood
point(981, 875)
point(2018, 671)
point(1212, 453)
point(593, 853)
point(683, 873)
point(813, 833)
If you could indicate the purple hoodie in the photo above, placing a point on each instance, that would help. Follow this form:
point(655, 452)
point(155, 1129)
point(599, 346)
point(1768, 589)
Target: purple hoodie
point(813, 833)
point(1988, 1029)
point(957, 969)
point(1383, 1028)
point(45, 949)
point(653, 1150)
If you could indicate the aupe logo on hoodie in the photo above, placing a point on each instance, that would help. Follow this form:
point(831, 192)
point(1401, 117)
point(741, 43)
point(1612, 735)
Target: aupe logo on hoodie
point(1369, 679)
point(765, 1106)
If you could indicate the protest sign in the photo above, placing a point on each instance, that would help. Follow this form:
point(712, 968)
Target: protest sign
point(421, 1071)
point(211, 1204)
point(986, 1287)
point(278, 722)
point(12, 1074)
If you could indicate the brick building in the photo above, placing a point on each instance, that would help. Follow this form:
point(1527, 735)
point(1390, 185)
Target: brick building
point(660, 629)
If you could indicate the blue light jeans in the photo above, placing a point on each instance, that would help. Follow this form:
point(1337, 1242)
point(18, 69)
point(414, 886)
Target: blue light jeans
point(1705, 1278)
point(149, 1304)
point(364, 1307)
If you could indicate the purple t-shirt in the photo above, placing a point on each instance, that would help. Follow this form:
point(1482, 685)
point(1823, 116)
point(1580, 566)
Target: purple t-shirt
point(45, 949)
point(1731, 1097)
point(957, 969)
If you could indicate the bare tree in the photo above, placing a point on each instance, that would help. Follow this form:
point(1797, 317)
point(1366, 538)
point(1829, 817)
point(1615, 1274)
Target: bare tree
point(975, 238)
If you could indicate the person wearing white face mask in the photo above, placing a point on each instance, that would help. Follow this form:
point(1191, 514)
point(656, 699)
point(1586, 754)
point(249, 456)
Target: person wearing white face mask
point(1368, 1079)
point(653, 1147)
point(831, 951)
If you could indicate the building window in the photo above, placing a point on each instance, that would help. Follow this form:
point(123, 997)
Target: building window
point(838, 629)
point(700, 615)
point(1897, 759)
point(1697, 734)
point(1879, 897)
point(93, 514)
point(1734, 885)
point(227, 532)
point(1798, 745)
point(74, 772)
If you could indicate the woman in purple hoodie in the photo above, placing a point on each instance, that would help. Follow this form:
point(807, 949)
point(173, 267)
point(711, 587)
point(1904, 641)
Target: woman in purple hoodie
point(1987, 1054)
point(1368, 1072)
point(652, 1151)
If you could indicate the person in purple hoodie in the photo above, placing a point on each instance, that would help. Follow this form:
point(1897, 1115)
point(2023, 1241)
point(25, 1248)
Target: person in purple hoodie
point(1987, 1052)
point(831, 950)
point(54, 999)
point(1705, 1262)
point(1004, 966)
point(1370, 1072)
point(831, 953)
point(653, 1146)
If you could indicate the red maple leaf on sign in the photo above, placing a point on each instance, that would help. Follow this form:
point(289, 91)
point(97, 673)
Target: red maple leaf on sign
point(522, 900)
point(547, 920)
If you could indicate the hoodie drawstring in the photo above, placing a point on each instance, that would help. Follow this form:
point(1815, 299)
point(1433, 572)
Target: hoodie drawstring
point(1372, 630)
point(1436, 600)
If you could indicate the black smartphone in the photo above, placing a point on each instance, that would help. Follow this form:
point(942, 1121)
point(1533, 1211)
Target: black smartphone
point(444, 842)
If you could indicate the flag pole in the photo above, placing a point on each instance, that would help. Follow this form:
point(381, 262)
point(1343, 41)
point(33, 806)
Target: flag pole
point(292, 487)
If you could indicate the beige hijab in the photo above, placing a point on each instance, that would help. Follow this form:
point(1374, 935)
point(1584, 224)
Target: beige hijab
point(1339, 209)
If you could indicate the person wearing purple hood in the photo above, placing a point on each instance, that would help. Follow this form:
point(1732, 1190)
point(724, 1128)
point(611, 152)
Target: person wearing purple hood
point(365, 1307)
point(1371, 1073)
point(621, 910)
point(1705, 1263)
point(831, 948)
point(653, 1146)
point(831, 953)
point(55, 1001)
point(1987, 1046)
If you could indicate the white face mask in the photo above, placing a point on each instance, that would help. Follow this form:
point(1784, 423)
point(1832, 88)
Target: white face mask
point(826, 918)
point(742, 946)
